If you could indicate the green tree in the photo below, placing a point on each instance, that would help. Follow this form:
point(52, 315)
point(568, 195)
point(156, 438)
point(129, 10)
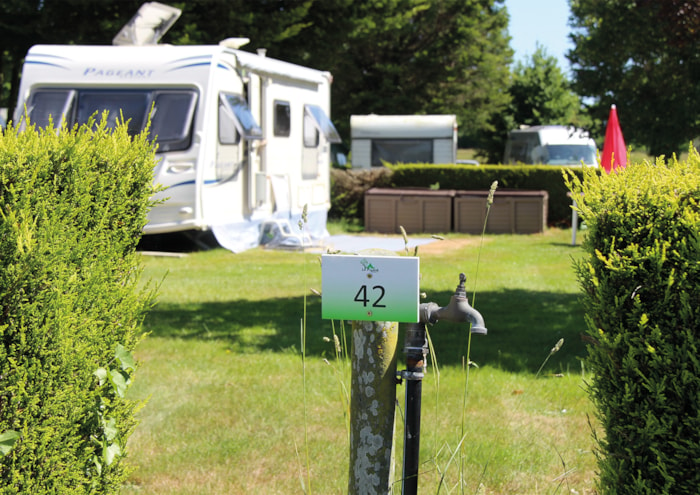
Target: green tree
point(386, 56)
point(422, 57)
point(540, 94)
point(24, 23)
point(643, 56)
point(270, 25)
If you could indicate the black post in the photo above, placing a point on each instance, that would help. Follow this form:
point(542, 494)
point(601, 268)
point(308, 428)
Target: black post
point(416, 349)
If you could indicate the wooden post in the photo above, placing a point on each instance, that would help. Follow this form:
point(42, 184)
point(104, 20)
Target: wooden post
point(372, 406)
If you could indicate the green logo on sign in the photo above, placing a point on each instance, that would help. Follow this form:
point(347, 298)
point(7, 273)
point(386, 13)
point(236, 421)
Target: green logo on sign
point(368, 267)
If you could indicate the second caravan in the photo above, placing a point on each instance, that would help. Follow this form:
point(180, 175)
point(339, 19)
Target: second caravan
point(243, 139)
point(402, 138)
point(550, 145)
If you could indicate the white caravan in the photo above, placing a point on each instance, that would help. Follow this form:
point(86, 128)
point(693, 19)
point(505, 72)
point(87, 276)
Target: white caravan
point(550, 145)
point(243, 139)
point(402, 139)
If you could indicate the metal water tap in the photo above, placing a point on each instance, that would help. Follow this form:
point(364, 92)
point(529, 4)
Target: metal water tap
point(458, 310)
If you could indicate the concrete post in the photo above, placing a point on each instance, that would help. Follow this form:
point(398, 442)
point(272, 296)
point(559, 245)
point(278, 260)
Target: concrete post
point(372, 406)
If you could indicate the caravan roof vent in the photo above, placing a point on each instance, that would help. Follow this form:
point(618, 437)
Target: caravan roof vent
point(148, 25)
point(234, 43)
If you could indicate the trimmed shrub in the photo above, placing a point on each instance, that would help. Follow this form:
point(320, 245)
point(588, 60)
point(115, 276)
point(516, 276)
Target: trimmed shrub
point(348, 188)
point(72, 206)
point(641, 287)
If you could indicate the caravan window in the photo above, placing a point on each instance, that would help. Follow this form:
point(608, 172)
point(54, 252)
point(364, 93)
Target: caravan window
point(401, 151)
point(130, 106)
point(568, 154)
point(171, 118)
point(227, 125)
point(283, 119)
point(242, 117)
point(318, 118)
point(47, 105)
point(310, 132)
point(520, 146)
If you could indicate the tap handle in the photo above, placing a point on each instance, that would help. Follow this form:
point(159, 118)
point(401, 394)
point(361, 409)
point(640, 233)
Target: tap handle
point(460, 291)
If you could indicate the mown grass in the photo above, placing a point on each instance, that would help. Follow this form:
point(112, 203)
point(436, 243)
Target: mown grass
point(222, 372)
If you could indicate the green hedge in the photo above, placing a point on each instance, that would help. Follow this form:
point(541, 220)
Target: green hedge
point(72, 206)
point(348, 186)
point(641, 287)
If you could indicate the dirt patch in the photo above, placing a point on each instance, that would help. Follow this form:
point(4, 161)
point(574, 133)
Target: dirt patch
point(447, 245)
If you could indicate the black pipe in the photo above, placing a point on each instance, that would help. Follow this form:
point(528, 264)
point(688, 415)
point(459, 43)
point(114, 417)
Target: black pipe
point(412, 437)
point(416, 349)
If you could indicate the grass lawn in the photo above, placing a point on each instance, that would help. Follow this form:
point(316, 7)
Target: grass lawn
point(222, 372)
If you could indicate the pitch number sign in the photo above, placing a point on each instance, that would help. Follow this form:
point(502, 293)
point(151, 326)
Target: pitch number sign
point(372, 288)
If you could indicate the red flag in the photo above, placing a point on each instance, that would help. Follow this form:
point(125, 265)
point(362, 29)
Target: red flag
point(614, 146)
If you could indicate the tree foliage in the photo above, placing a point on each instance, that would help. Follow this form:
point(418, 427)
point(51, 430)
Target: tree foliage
point(540, 94)
point(643, 56)
point(268, 24)
point(24, 23)
point(389, 56)
point(423, 57)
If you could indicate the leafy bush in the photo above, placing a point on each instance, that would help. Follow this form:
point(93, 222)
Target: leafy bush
point(348, 188)
point(641, 286)
point(72, 206)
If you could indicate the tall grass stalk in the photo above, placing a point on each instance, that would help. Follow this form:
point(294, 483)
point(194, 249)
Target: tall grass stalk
point(489, 202)
point(340, 369)
point(306, 489)
point(554, 350)
point(435, 370)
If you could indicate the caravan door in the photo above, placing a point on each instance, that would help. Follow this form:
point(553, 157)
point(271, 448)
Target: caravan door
point(225, 193)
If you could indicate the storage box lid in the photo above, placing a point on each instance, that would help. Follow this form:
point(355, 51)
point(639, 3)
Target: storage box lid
point(410, 191)
point(522, 193)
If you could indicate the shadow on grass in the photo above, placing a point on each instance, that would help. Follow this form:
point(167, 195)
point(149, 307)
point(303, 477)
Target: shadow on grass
point(523, 327)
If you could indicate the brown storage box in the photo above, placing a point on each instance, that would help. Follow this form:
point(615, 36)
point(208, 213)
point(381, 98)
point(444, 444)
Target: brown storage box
point(512, 212)
point(416, 210)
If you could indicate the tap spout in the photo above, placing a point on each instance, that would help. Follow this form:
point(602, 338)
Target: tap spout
point(459, 311)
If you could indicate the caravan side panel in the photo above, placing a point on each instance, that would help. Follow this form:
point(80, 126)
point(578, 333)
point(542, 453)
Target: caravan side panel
point(443, 151)
point(361, 153)
point(295, 155)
